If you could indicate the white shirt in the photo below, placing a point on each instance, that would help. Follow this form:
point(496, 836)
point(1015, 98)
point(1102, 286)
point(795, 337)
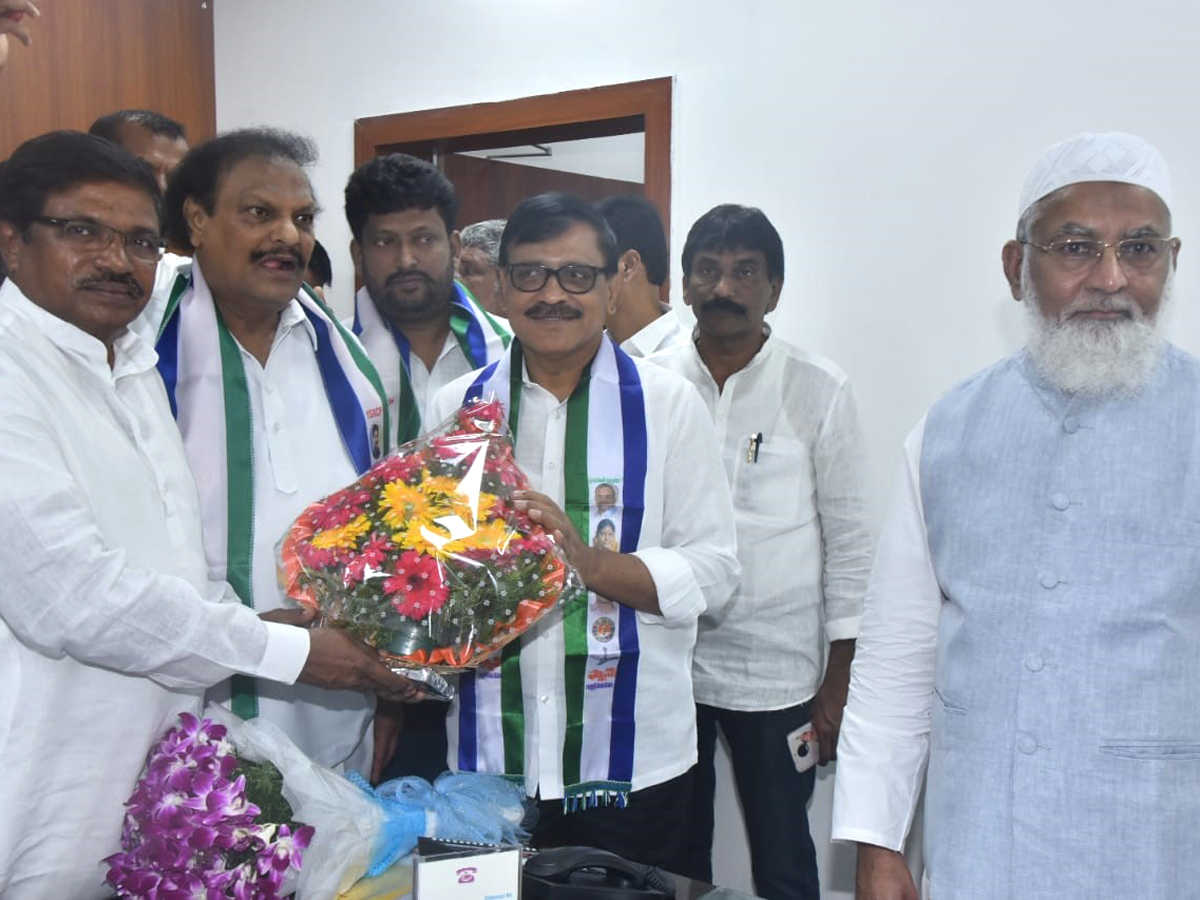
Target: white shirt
point(884, 741)
point(169, 267)
point(299, 457)
point(664, 334)
point(109, 626)
point(688, 546)
point(450, 364)
point(801, 513)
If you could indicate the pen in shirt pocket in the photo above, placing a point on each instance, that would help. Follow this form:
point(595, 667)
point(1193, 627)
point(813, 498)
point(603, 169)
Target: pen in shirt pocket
point(752, 447)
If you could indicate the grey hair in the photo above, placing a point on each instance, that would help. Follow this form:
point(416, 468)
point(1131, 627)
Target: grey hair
point(486, 236)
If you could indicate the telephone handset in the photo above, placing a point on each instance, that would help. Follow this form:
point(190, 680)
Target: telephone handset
point(585, 873)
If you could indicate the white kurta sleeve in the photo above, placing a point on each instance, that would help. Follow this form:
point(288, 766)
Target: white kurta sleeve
point(884, 741)
point(838, 462)
point(68, 593)
point(695, 567)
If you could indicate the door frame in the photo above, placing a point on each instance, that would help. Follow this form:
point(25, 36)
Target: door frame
point(636, 106)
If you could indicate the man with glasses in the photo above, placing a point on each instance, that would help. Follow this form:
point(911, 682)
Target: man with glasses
point(109, 625)
point(421, 328)
point(793, 456)
point(1031, 626)
point(591, 707)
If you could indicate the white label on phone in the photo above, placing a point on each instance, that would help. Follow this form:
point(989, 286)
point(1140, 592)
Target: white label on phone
point(802, 744)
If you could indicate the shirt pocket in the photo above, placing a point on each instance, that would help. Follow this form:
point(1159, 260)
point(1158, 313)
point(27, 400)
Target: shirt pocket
point(776, 484)
point(1151, 750)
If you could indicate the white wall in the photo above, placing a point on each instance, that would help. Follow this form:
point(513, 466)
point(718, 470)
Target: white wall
point(886, 141)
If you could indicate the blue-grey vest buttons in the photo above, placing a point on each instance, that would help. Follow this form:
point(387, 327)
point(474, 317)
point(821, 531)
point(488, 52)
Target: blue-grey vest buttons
point(1060, 501)
point(1026, 744)
point(1034, 663)
point(1070, 425)
point(1048, 581)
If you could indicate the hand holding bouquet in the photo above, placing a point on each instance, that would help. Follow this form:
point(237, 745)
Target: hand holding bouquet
point(425, 556)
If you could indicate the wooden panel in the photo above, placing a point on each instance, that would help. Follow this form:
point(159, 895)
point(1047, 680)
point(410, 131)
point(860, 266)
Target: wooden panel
point(491, 189)
point(614, 109)
point(91, 57)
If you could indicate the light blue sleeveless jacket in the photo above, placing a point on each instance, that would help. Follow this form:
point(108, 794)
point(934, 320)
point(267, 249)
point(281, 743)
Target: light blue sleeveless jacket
point(1065, 534)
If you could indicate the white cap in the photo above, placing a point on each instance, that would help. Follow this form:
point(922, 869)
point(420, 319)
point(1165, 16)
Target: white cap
point(1097, 157)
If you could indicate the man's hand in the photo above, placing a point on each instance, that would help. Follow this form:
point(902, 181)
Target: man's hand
point(620, 577)
point(830, 700)
point(12, 19)
point(883, 875)
point(336, 661)
point(300, 616)
point(550, 516)
point(389, 722)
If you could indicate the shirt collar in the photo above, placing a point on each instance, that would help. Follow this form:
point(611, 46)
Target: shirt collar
point(289, 317)
point(131, 354)
point(757, 360)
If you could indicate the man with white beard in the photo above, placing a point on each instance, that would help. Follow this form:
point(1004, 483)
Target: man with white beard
point(1032, 625)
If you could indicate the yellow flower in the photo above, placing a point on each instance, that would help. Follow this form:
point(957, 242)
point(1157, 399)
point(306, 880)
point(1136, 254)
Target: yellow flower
point(344, 538)
point(402, 503)
point(491, 535)
point(442, 486)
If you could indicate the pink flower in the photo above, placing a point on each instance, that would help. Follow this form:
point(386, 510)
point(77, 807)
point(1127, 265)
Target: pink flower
point(481, 417)
point(418, 581)
point(372, 555)
point(396, 468)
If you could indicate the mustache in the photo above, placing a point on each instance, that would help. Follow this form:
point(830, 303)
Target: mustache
point(560, 310)
point(407, 273)
point(111, 280)
point(293, 255)
point(722, 304)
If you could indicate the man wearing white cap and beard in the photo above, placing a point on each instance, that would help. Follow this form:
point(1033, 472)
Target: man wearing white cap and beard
point(1032, 625)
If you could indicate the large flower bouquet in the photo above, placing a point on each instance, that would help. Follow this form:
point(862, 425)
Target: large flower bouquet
point(204, 822)
point(425, 556)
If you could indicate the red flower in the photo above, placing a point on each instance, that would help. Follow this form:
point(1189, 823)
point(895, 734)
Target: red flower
point(335, 512)
point(418, 586)
point(481, 417)
point(395, 468)
point(373, 554)
point(314, 558)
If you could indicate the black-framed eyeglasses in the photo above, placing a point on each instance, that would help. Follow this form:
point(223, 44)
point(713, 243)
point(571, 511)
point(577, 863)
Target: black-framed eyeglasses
point(143, 247)
point(575, 278)
point(1078, 254)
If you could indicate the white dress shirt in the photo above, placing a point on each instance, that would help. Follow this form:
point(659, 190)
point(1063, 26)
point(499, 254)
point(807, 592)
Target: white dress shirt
point(803, 542)
point(109, 626)
point(688, 546)
point(169, 268)
point(299, 457)
point(665, 333)
point(884, 742)
point(450, 364)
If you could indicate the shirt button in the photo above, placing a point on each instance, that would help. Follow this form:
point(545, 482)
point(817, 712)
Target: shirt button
point(1060, 501)
point(545, 698)
point(1048, 580)
point(1027, 745)
point(1070, 425)
point(551, 465)
point(277, 427)
point(1034, 663)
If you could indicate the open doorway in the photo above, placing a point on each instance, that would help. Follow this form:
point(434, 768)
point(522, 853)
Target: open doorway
point(497, 154)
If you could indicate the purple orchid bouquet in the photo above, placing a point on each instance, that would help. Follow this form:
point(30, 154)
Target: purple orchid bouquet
point(204, 822)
